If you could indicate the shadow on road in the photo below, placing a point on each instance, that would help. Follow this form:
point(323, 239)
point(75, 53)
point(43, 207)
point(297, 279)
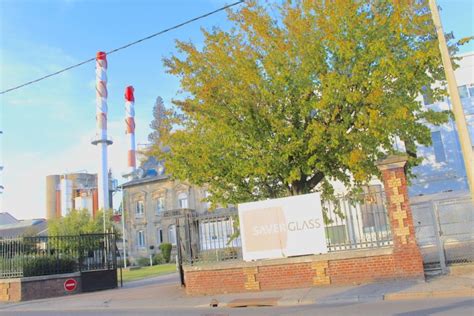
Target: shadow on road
point(367, 293)
point(435, 310)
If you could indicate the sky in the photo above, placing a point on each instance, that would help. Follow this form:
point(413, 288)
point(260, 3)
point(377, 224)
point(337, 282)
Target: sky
point(47, 127)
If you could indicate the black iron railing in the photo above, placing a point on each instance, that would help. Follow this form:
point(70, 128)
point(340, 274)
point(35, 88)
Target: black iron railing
point(350, 222)
point(45, 255)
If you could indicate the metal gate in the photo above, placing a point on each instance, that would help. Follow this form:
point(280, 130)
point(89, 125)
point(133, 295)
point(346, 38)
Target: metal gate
point(205, 238)
point(445, 231)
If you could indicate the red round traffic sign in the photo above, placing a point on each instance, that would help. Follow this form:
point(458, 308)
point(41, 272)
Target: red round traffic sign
point(70, 285)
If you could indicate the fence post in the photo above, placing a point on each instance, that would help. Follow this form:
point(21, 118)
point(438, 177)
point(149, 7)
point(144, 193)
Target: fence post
point(179, 253)
point(407, 255)
point(437, 235)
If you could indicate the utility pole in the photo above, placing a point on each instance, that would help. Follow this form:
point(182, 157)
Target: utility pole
point(460, 119)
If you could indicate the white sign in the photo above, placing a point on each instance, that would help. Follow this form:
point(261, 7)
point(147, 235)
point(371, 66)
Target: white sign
point(285, 227)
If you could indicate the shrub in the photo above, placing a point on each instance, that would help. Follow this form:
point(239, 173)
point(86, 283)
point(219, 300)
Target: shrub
point(143, 261)
point(158, 259)
point(35, 266)
point(166, 251)
point(120, 262)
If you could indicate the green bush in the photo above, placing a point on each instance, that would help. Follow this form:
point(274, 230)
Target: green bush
point(229, 253)
point(35, 266)
point(158, 259)
point(166, 251)
point(143, 261)
point(120, 262)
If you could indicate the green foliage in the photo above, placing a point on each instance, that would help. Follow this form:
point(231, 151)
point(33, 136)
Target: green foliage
point(47, 265)
point(158, 259)
point(143, 261)
point(300, 94)
point(217, 255)
point(78, 222)
point(166, 251)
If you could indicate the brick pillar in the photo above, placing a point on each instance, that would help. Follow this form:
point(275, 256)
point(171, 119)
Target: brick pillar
point(407, 257)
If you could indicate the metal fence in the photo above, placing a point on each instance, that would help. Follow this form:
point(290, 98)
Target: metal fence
point(45, 255)
point(209, 237)
point(444, 227)
point(350, 223)
point(355, 222)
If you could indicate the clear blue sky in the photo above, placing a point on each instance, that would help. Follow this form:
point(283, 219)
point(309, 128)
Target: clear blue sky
point(48, 126)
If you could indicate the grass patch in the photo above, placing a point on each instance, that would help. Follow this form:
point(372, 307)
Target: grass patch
point(147, 272)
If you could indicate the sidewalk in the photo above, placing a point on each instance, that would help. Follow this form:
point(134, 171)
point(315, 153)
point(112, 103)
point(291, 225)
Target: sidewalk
point(436, 287)
point(164, 292)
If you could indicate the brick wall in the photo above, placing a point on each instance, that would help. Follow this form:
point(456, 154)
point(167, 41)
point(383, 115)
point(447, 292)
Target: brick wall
point(10, 291)
point(24, 289)
point(349, 267)
point(403, 260)
point(47, 286)
point(216, 281)
point(407, 255)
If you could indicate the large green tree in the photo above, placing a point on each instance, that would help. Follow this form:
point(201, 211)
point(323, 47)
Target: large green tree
point(78, 222)
point(301, 93)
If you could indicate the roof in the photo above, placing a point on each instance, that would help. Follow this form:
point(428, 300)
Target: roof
point(144, 180)
point(6, 218)
point(38, 225)
point(149, 169)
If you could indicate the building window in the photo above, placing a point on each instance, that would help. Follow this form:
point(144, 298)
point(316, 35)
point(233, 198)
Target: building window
point(471, 90)
point(139, 209)
point(141, 239)
point(160, 205)
point(159, 236)
point(172, 234)
point(463, 92)
point(438, 146)
point(183, 200)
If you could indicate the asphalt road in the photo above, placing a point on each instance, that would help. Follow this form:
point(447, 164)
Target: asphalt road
point(400, 308)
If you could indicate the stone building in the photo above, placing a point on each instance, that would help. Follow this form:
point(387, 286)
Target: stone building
point(152, 203)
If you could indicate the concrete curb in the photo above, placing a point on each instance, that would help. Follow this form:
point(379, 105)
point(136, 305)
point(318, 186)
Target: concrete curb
point(351, 299)
point(467, 292)
point(293, 302)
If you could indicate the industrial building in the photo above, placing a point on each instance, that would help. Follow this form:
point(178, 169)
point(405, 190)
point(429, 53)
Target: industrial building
point(72, 191)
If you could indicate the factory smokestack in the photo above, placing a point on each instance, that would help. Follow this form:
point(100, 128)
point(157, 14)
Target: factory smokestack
point(130, 128)
point(101, 134)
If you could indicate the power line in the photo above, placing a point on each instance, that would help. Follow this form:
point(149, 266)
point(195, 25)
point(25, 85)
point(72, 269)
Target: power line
point(124, 46)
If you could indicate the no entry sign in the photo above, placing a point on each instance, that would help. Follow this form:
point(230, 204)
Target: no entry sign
point(70, 285)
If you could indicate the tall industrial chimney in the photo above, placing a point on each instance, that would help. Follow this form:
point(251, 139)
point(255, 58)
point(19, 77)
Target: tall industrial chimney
point(101, 133)
point(130, 128)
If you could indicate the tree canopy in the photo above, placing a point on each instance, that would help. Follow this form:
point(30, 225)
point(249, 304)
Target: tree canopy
point(159, 112)
point(299, 94)
point(78, 222)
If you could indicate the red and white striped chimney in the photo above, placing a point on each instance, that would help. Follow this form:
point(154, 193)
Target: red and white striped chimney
point(101, 130)
point(130, 128)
